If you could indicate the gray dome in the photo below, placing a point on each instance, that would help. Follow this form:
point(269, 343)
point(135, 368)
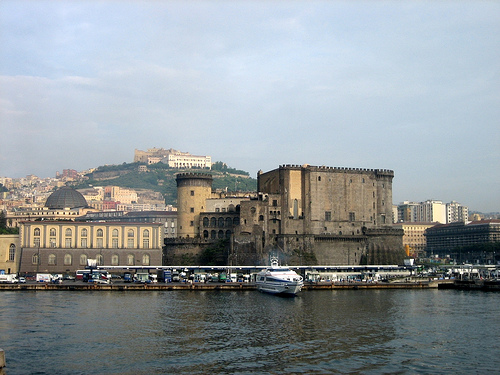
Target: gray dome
point(66, 197)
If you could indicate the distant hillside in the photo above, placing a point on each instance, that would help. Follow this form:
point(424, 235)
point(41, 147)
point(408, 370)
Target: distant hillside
point(161, 178)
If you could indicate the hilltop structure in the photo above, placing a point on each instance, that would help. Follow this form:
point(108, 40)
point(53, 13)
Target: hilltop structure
point(303, 214)
point(173, 158)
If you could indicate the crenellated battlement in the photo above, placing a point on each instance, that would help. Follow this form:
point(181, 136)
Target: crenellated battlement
point(378, 172)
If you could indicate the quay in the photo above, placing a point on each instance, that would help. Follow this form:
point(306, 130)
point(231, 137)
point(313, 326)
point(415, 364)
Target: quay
point(228, 286)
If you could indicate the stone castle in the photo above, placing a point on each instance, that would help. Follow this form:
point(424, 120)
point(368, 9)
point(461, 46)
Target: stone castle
point(305, 215)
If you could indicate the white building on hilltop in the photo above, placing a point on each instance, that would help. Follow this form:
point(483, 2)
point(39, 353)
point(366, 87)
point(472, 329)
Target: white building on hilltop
point(173, 158)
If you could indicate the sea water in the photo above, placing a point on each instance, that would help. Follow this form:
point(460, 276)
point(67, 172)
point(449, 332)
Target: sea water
point(247, 332)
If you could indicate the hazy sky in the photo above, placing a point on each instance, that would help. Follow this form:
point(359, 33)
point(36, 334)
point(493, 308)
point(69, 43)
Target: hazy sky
point(412, 86)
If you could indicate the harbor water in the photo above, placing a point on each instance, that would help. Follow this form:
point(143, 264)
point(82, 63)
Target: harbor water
point(247, 332)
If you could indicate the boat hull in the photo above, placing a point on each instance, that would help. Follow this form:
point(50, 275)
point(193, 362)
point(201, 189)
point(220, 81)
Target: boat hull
point(289, 288)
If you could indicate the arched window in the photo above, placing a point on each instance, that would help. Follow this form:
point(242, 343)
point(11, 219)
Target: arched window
point(68, 259)
point(213, 235)
point(228, 234)
point(229, 222)
point(99, 233)
point(221, 234)
point(99, 260)
point(145, 233)
point(84, 232)
point(261, 217)
point(34, 259)
point(205, 234)
point(52, 232)
point(206, 222)
point(83, 260)
point(115, 260)
point(36, 232)
point(12, 252)
point(213, 222)
point(130, 260)
point(145, 259)
point(68, 232)
point(52, 259)
point(130, 233)
point(115, 232)
point(236, 221)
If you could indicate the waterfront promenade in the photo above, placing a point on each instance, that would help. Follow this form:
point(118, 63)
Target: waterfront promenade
point(308, 286)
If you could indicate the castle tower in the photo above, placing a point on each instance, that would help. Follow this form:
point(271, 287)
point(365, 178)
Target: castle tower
point(193, 189)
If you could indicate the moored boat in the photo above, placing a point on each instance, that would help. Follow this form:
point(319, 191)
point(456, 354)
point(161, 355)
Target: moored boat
point(279, 280)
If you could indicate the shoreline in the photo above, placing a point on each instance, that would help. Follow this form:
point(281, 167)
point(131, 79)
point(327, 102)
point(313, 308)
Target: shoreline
point(217, 286)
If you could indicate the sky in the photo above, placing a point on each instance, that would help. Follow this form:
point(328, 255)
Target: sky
point(412, 86)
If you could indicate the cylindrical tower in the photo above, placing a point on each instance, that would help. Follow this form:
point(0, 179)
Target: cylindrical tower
point(193, 190)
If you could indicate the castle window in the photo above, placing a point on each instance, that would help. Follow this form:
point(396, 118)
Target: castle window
point(352, 216)
point(206, 222)
point(221, 222)
point(261, 217)
point(213, 222)
point(213, 235)
point(205, 234)
point(228, 234)
point(12, 252)
point(229, 222)
point(191, 223)
point(191, 209)
point(328, 215)
point(319, 178)
point(220, 234)
point(253, 210)
point(275, 202)
point(192, 193)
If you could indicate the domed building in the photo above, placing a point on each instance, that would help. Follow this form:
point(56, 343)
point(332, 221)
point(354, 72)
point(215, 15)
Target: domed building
point(66, 197)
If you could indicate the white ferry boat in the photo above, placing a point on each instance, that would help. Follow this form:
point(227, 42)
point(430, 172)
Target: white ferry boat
point(279, 280)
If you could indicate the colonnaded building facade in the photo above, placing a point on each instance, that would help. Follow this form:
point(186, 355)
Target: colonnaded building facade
point(305, 215)
point(57, 246)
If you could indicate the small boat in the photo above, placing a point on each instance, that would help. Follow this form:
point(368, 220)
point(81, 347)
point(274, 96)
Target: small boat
point(279, 280)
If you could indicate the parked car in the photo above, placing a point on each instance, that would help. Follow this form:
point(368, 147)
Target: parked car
point(22, 280)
